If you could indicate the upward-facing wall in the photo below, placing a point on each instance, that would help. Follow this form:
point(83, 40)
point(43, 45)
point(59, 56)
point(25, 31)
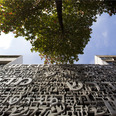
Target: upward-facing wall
point(58, 90)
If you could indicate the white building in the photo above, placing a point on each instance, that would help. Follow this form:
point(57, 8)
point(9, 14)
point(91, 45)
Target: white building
point(11, 59)
point(105, 59)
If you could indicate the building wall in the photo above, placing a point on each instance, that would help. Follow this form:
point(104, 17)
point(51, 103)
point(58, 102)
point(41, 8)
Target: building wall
point(18, 60)
point(11, 59)
point(98, 60)
point(58, 90)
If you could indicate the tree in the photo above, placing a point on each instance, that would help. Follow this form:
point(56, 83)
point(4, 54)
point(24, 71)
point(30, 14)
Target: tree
point(39, 24)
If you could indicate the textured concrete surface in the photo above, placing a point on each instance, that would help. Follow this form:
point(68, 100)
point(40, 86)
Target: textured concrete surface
point(58, 90)
point(1, 66)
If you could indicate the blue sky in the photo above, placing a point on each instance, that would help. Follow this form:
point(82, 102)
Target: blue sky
point(102, 42)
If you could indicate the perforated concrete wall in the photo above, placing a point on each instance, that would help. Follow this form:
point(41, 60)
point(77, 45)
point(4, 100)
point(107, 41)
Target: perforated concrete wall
point(58, 90)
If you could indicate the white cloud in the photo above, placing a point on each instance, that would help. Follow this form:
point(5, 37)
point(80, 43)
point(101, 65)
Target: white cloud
point(105, 34)
point(5, 40)
point(105, 38)
point(99, 21)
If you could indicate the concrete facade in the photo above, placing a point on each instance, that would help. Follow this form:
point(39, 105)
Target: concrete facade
point(58, 90)
point(105, 59)
point(11, 59)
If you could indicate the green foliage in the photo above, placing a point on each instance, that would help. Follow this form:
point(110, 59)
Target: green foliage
point(38, 23)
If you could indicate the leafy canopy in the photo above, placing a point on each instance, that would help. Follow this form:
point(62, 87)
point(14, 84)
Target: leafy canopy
point(38, 23)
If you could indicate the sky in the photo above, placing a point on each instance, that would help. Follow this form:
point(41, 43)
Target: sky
point(102, 42)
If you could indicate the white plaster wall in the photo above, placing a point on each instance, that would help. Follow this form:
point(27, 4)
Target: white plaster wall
point(100, 61)
point(18, 60)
